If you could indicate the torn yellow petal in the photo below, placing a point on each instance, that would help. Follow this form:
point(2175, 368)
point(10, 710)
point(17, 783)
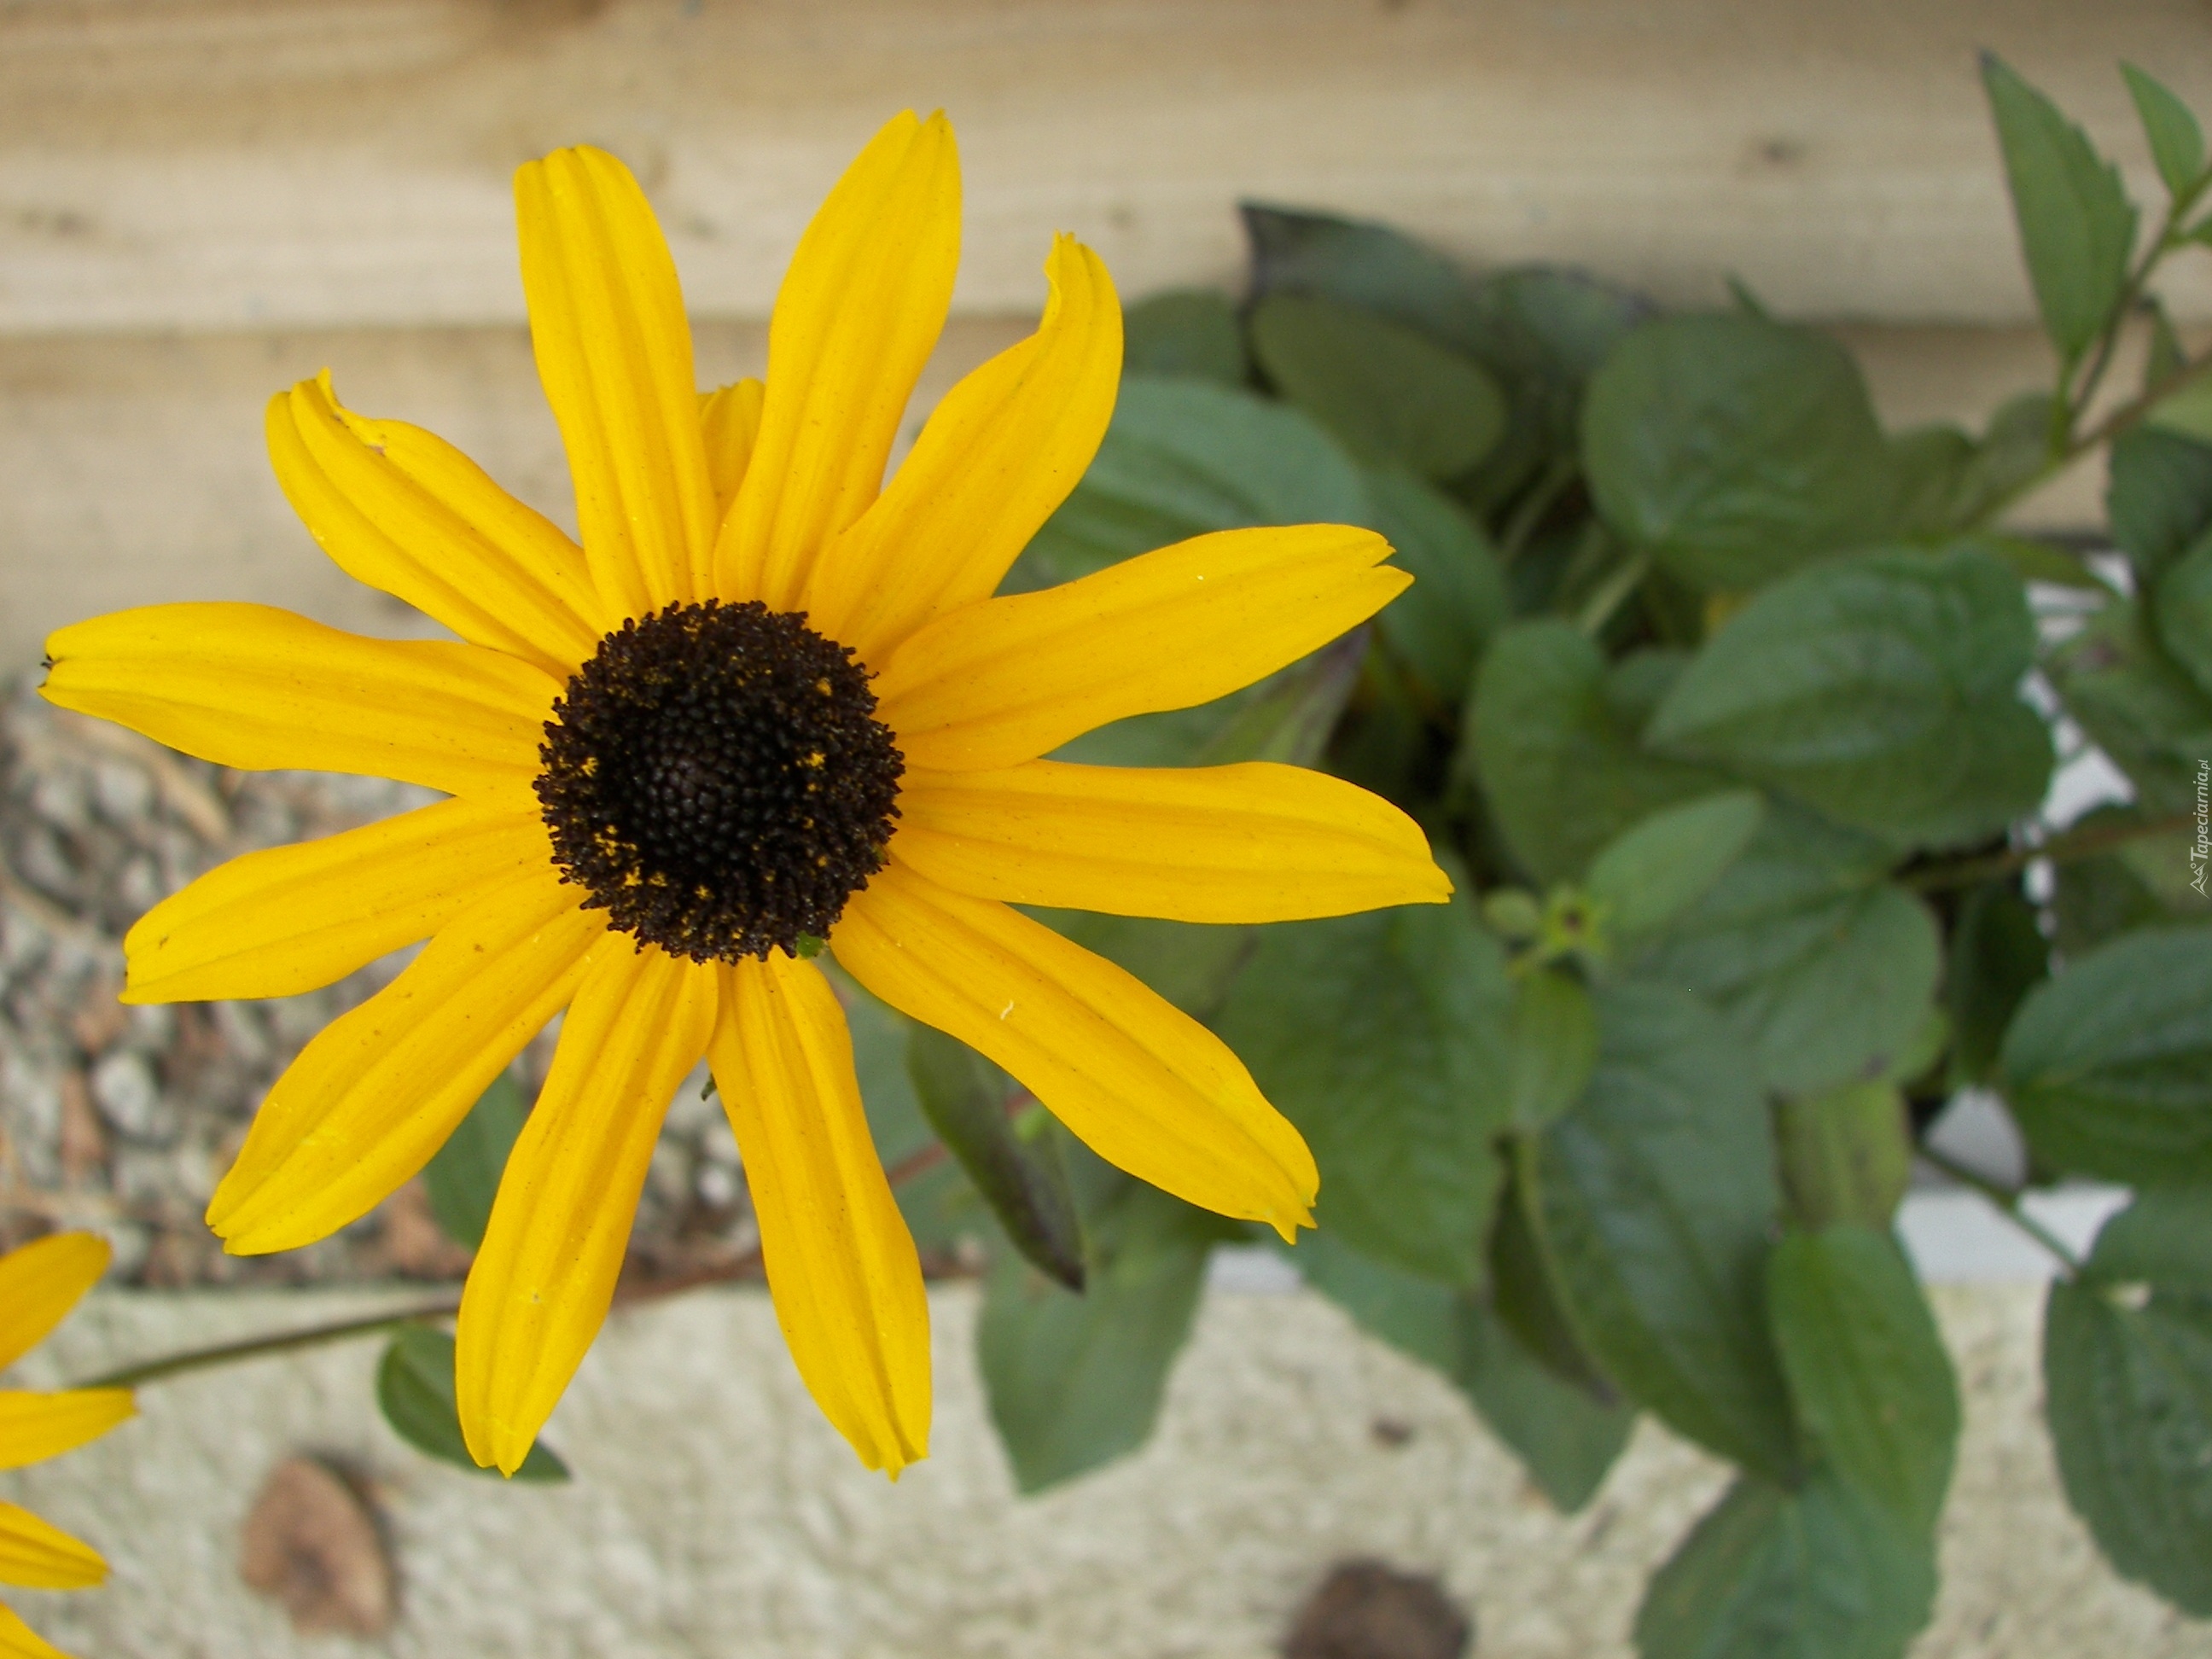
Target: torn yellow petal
point(1000, 453)
point(290, 919)
point(1146, 1086)
point(1007, 679)
point(41, 1282)
point(545, 1274)
point(1252, 843)
point(614, 352)
point(249, 686)
point(407, 513)
point(729, 421)
point(381, 1087)
point(36, 1426)
point(840, 1263)
point(39, 1555)
point(19, 1641)
point(856, 318)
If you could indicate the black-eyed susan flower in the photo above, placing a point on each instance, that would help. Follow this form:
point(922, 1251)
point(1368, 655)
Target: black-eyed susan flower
point(768, 702)
point(40, 1283)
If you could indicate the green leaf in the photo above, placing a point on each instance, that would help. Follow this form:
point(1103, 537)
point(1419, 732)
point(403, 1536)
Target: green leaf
point(2177, 142)
point(463, 1178)
point(2182, 605)
point(1645, 876)
point(1190, 333)
point(1391, 396)
point(2040, 562)
point(2108, 1066)
point(1439, 626)
point(1076, 1381)
point(1867, 1368)
point(1883, 690)
point(1817, 1573)
point(1552, 1038)
point(1998, 955)
point(1360, 264)
point(1527, 1296)
point(414, 1392)
point(1735, 448)
point(1560, 767)
point(2160, 497)
point(1846, 1155)
point(1565, 1440)
point(2162, 1240)
point(2077, 225)
point(2151, 719)
point(2144, 881)
point(1824, 970)
point(1383, 1037)
point(1655, 1199)
point(2128, 1394)
point(964, 1097)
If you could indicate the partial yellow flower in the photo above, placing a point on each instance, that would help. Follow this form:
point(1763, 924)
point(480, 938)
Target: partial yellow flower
point(767, 702)
point(40, 1283)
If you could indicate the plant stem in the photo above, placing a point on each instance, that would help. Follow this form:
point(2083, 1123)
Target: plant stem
point(2008, 1203)
point(256, 1347)
point(1625, 578)
point(2059, 849)
point(1541, 497)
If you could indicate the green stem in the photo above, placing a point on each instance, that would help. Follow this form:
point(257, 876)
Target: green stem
point(2059, 849)
point(2007, 1201)
point(1598, 611)
point(1542, 496)
point(256, 1347)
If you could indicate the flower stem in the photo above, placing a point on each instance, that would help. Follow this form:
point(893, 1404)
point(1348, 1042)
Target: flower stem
point(2007, 1201)
point(2059, 849)
point(256, 1347)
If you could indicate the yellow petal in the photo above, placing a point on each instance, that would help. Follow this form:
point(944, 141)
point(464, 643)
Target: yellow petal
point(856, 318)
point(36, 1426)
point(545, 1274)
point(41, 1281)
point(614, 351)
point(841, 1263)
point(1145, 1085)
point(39, 1555)
point(1007, 680)
point(729, 420)
point(1254, 843)
point(289, 918)
point(406, 511)
point(998, 455)
point(19, 1641)
point(381, 1088)
point(249, 686)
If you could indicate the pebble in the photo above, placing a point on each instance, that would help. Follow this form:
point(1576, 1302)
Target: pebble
point(129, 1097)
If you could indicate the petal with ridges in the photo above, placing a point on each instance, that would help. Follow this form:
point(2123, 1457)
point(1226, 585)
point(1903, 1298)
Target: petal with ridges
point(41, 1282)
point(1246, 843)
point(1146, 1086)
point(857, 316)
point(36, 1426)
point(729, 421)
point(840, 1263)
point(381, 1088)
point(545, 1274)
point(19, 1641)
point(291, 919)
point(614, 352)
point(1008, 679)
point(405, 512)
point(249, 686)
point(1000, 453)
point(39, 1555)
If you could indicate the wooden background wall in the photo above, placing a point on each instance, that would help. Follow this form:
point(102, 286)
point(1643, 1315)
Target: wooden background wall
point(201, 200)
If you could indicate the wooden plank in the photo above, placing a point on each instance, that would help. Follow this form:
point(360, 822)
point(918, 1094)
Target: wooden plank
point(221, 164)
point(132, 472)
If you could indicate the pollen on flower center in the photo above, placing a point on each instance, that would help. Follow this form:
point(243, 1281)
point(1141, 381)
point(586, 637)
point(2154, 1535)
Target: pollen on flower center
point(716, 778)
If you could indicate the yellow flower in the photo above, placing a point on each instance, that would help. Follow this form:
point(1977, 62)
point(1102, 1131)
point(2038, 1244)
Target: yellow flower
point(762, 705)
point(39, 1284)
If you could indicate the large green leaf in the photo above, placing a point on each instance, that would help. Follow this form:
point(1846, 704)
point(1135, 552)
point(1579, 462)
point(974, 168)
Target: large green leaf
point(2163, 1240)
point(2177, 142)
point(1438, 627)
point(1565, 1439)
point(2108, 1066)
point(1076, 1381)
point(1824, 970)
point(2160, 497)
point(1557, 762)
point(1190, 333)
point(1655, 1199)
point(1817, 1573)
point(1392, 396)
point(1998, 955)
point(414, 1392)
point(2149, 717)
point(1846, 1155)
point(463, 1178)
point(1868, 1372)
point(1645, 876)
point(1383, 1037)
point(2076, 226)
point(1361, 263)
point(1883, 690)
point(1735, 448)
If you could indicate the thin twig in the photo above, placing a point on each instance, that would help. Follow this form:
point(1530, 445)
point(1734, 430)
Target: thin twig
point(256, 1347)
point(2060, 849)
point(2008, 1202)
